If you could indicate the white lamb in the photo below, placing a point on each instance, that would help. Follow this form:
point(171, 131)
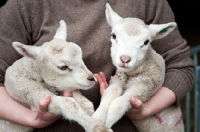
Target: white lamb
point(55, 66)
point(140, 72)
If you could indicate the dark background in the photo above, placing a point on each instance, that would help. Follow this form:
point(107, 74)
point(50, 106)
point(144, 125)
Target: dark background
point(187, 15)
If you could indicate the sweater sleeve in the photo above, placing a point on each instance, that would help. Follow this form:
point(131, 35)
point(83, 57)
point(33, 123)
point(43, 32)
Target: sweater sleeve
point(14, 26)
point(174, 49)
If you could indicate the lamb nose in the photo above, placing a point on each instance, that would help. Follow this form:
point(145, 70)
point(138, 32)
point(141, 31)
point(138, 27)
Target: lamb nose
point(125, 59)
point(91, 79)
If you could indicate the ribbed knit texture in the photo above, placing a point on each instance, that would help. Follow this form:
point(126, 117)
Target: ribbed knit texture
point(35, 21)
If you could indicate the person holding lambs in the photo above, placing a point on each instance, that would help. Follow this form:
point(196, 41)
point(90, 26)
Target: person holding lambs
point(35, 22)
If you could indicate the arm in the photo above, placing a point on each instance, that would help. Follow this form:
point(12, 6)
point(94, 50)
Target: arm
point(13, 111)
point(179, 76)
point(162, 99)
point(16, 26)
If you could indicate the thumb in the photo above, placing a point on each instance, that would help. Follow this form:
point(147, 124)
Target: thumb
point(136, 103)
point(44, 102)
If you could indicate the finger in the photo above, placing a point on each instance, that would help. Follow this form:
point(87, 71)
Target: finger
point(102, 88)
point(99, 79)
point(136, 107)
point(103, 77)
point(44, 102)
point(136, 103)
point(128, 114)
point(67, 94)
point(133, 116)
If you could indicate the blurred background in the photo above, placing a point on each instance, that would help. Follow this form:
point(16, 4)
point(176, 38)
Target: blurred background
point(187, 14)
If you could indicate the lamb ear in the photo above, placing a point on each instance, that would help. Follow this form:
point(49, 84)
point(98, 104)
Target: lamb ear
point(111, 16)
point(61, 32)
point(25, 50)
point(161, 30)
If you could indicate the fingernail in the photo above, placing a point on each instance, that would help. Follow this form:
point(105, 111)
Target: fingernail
point(46, 97)
point(96, 74)
point(133, 100)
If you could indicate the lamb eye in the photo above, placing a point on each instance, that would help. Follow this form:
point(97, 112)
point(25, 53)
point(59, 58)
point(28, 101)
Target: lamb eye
point(113, 35)
point(146, 42)
point(63, 67)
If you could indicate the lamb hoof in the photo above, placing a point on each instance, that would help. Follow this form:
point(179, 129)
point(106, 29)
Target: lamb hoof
point(101, 128)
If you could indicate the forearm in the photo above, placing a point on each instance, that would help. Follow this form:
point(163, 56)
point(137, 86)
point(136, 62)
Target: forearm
point(14, 111)
point(180, 81)
point(179, 75)
point(161, 100)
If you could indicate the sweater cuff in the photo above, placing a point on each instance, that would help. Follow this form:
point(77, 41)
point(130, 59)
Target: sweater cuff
point(179, 82)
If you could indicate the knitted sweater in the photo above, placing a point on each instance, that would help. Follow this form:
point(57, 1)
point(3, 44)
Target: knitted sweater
point(34, 22)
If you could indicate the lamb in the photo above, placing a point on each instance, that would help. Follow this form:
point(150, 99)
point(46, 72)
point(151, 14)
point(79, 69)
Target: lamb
point(53, 67)
point(140, 72)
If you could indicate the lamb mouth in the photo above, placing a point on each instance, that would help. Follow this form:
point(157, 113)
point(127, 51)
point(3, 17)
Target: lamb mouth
point(86, 86)
point(124, 66)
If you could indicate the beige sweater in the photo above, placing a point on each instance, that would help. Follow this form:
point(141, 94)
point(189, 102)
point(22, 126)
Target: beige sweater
point(35, 21)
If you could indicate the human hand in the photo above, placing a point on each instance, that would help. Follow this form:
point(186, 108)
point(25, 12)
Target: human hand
point(139, 109)
point(42, 117)
point(101, 79)
point(163, 98)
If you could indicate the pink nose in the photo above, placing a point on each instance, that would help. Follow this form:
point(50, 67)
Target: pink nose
point(125, 59)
